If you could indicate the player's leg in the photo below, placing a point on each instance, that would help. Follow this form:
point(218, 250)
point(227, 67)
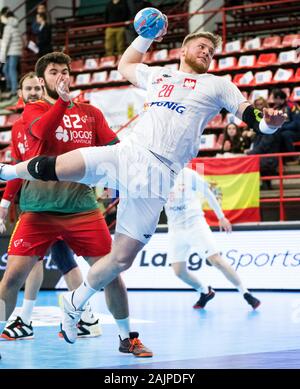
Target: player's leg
point(217, 261)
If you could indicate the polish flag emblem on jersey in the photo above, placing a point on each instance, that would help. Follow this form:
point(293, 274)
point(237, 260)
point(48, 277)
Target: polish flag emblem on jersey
point(189, 83)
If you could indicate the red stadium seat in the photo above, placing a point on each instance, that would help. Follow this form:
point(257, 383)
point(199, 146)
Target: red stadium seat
point(174, 53)
point(247, 61)
point(107, 62)
point(91, 63)
point(271, 41)
point(266, 59)
point(77, 66)
point(292, 40)
point(243, 78)
point(227, 63)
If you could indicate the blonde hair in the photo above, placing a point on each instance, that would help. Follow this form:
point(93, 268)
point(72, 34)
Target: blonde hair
point(215, 39)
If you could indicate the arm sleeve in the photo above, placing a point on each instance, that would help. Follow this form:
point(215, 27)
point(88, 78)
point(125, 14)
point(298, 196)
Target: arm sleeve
point(230, 96)
point(11, 189)
point(200, 185)
point(4, 44)
point(105, 135)
point(42, 121)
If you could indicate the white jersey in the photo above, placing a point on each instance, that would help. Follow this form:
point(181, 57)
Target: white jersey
point(178, 107)
point(184, 205)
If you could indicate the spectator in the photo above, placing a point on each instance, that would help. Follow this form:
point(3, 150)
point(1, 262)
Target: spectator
point(10, 53)
point(290, 130)
point(41, 9)
point(116, 12)
point(44, 36)
point(265, 144)
point(233, 141)
point(134, 7)
point(3, 19)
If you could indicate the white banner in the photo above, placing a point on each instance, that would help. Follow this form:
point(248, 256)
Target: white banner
point(263, 259)
point(119, 105)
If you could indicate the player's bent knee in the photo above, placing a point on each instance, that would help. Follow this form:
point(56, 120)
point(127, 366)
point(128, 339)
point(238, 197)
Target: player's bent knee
point(43, 168)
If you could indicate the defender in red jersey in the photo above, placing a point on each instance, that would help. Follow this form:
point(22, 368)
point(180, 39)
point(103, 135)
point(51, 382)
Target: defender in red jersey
point(51, 127)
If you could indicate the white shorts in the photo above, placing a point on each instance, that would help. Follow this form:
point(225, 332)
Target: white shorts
point(142, 180)
point(198, 238)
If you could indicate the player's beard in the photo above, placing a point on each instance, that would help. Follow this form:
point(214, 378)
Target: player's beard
point(196, 66)
point(51, 92)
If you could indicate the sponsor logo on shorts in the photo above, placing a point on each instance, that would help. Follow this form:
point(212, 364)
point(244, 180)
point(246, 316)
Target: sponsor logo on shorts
point(170, 105)
point(21, 243)
point(147, 236)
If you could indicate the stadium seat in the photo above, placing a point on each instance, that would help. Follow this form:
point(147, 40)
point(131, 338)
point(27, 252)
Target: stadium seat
point(2, 120)
point(234, 46)
point(227, 63)
point(99, 77)
point(107, 62)
point(213, 65)
point(160, 55)
point(297, 75)
point(287, 56)
point(216, 122)
point(115, 76)
point(91, 64)
point(252, 44)
point(291, 40)
point(283, 75)
point(266, 59)
point(174, 53)
point(243, 78)
point(256, 93)
point(208, 142)
point(77, 66)
point(263, 77)
point(5, 137)
point(247, 61)
point(10, 119)
point(83, 79)
point(295, 96)
point(271, 42)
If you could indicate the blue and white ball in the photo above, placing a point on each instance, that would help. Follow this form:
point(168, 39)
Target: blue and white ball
point(149, 23)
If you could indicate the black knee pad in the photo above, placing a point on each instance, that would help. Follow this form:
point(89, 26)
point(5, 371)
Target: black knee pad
point(63, 257)
point(43, 168)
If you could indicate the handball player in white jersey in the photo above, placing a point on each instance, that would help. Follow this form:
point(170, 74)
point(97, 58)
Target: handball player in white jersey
point(145, 164)
point(188, 230)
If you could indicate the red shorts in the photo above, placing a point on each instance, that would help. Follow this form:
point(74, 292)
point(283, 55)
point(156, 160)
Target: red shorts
point(85, 233)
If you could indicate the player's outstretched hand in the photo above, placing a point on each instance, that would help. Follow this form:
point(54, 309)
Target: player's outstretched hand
point(274, 117)
point(225, 225)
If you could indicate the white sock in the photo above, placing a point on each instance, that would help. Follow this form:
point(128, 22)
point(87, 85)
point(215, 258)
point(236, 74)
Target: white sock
point(8, 172)
point(242, 289)
point(82, 294)
point(2, 326)
point(203, 289)
point(124, 327)
point(87, 314)
point(27, 309)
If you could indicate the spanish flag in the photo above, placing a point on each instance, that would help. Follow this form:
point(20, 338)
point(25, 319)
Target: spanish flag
point(235, 182)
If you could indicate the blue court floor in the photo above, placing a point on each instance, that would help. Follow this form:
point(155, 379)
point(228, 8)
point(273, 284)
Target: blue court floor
point(227, 334)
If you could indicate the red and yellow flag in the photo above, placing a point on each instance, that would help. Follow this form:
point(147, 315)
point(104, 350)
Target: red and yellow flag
point(235, 182)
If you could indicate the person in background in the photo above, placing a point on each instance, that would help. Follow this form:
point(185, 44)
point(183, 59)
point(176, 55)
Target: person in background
point(116, 12)
point(10, 53)
point(44, 35)
point(188, 230)
point(134, 7)
point(290, 130)
point(233, 141)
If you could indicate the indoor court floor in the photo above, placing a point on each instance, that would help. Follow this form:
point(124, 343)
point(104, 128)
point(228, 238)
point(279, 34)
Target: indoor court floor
point(227, 334)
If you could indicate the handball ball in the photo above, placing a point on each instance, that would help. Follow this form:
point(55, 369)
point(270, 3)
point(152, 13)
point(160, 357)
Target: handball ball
point(149, 23)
